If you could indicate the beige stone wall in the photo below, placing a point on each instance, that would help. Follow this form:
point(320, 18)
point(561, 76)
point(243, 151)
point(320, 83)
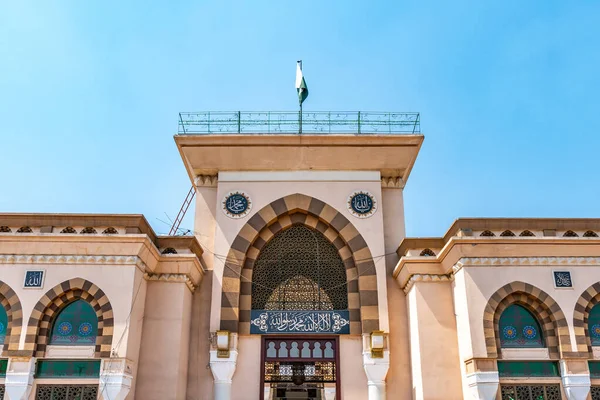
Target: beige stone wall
point(163, 369)
point(433, 341)
point(333, 189)
point(199, 378)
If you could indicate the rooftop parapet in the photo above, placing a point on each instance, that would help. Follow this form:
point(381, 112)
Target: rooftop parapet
point(319, 122)
point(503, 229)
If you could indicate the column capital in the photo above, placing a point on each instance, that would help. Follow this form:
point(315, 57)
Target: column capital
point(223, 370)
point(19, 378)
point(483, 385)
point(575, 378)
point(116, 378)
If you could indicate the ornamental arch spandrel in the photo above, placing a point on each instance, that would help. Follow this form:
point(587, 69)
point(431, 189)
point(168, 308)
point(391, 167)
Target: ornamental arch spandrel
point(549, 314)
point(12, 305)
point(55, 300)
point(278, 216)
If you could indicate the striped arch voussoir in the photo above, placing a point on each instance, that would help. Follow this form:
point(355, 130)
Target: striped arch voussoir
point(539, 303)
point(588, 299)
point(11, 303)
point(55, 299)
point(277, 216)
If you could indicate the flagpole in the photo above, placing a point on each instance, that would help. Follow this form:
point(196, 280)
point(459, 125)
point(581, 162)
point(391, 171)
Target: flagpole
point(300, 116)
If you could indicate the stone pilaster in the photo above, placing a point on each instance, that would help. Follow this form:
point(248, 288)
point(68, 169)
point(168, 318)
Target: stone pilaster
point(19, 378)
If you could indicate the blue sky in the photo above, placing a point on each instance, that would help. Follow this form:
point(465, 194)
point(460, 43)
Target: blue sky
point(508, 91)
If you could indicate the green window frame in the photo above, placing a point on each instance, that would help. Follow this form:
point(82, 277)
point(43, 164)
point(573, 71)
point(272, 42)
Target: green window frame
point(72, 369)
point(3, 325)
point(528, 369)
point(518, 328)
point(75, 325)
point(3, 367)
point(594, 325)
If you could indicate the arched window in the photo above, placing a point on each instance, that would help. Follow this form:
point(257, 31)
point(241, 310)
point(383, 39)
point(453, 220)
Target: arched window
point(594, 325)
point(507, 233)
point(75, 325)
point(299, 269)
point(519, 328)
point(427, 253)
point(487, 233)
point(3, 324)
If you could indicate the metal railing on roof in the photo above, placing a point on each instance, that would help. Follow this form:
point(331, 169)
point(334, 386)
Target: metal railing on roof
point(320, 122)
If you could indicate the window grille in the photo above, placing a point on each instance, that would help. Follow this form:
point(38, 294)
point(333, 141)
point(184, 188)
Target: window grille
point(530, 392)
point(299, 269)
point(66, 392)
point(595, 392)
point(1, 391)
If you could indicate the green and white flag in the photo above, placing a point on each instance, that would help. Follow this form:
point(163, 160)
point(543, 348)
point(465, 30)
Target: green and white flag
point(301, 83)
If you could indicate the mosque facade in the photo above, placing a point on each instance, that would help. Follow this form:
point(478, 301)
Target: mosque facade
point(297, 281)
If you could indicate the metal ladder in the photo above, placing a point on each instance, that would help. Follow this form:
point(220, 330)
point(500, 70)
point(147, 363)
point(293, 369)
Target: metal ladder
point(182, 211)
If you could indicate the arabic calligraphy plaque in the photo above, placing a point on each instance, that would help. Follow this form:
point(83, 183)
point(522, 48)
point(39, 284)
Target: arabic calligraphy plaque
point(267, 321)
point(34, 279)
point(362, 204)
point(236, 204)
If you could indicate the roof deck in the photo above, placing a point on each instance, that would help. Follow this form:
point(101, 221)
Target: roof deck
point(311, 122)
point(210, 142)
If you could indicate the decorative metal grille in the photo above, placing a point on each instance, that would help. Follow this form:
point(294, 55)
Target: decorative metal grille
point(1, 391)
point(323, 122)
point(530, 392)
point(299, 269)
point(66, 392)
point(595, 392)
point(316, 371)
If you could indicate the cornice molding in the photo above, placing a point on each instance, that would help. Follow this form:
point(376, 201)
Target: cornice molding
point(172, 278)
point(498, 262)
point(524, 261)
point(392, 182)
point(206, 180)
point(71, 259)
point(425, 278)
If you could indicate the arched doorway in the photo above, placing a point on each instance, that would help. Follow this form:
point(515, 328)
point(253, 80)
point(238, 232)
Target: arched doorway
point(299, 303)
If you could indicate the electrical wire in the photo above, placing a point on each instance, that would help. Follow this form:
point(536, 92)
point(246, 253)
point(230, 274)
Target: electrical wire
point(227, 261)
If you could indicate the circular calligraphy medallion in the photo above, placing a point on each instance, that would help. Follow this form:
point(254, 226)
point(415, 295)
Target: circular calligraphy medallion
point(362, 204)
point(85, 329)
point(236, 204)
point(529, 332)
point(1, 327)
point(65, 328)
point(596, 330)
point(510, 332)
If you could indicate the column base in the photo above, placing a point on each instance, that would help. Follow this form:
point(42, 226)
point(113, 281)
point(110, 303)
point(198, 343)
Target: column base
point(483, 385)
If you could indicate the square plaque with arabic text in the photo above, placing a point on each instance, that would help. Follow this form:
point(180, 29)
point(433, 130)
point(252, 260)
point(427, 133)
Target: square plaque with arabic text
point(34, 279)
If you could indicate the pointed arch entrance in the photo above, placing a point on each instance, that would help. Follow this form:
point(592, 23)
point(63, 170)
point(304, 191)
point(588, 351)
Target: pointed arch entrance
point(299, 209)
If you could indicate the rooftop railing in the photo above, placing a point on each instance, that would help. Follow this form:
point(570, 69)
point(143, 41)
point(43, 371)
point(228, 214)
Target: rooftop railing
point(320, 122)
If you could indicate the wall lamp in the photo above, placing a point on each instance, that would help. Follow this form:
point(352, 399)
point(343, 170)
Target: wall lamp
point(223, 344)
point(377, 344)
